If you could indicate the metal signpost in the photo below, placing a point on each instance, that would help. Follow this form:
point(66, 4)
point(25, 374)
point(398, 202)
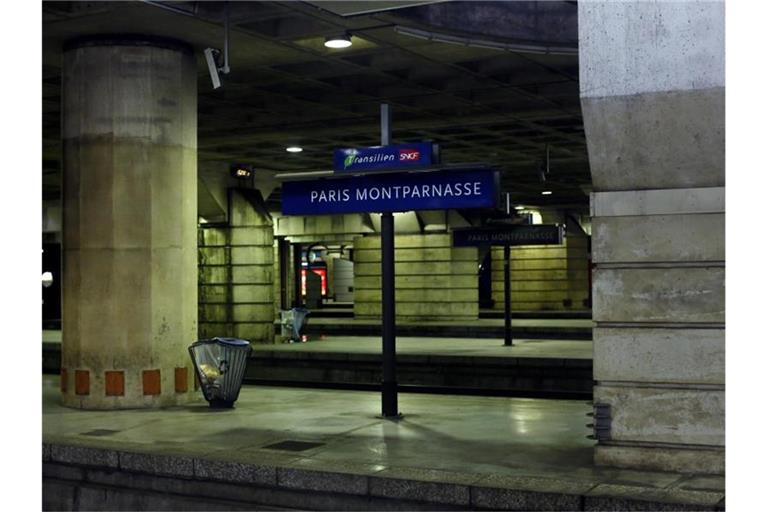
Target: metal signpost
point(373, 188)
point(392, 192)
point(385, 157)
point(389, 361)
point(507, 236)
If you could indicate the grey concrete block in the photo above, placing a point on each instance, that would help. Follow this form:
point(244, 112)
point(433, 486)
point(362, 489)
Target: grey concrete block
point(656, 140)
point(710, 461)
point(609, 504)
point(252, 255)
point(156, 464)
point(203, 490)
point(434, 492)
point(84, 455)
point(659, 294)
point(252, 274)
point(626, 497)
point(235, 472)
point(322, 481)
point(692, 356)
point(672, 201)
point(251, 235)
point(510, 499)
point(659, 238)
point(252, 293)
point(628, 48)
point(712, 483)
point(98, 498)
point(323, 225)
point(658, 415)
point(502, 492)
point(59, 495)
point(62, 471)
point(264, 312)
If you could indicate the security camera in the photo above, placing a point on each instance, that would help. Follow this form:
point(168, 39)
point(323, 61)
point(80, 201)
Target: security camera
point(211, 56)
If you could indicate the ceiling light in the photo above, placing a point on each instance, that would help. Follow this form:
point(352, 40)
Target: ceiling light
point(519, 207)
point(343, 41)
point(547, 193)
point(294, 149)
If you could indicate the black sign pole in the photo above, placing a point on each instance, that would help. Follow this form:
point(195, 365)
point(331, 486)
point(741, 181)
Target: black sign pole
point(507, 299)
point(507, 290)
point(389, 370)
point(297, 298)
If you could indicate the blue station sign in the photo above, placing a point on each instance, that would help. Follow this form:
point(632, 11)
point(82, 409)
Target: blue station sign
point(379, 158)
point(528, 234)
point(434, 190)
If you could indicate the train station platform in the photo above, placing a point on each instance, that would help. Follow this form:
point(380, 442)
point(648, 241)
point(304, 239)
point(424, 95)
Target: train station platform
point(287, 448)
point(346, 310)
point(537, 328)
point(531, 368)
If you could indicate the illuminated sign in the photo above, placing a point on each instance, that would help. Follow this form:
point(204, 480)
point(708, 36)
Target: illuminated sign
point(240, 171)
point(323, 273)
point(437, 190)
point(377, 158)
point(528, 234)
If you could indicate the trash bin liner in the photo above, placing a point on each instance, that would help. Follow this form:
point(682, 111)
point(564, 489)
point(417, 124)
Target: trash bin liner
point(220, 366)
point(299, 317)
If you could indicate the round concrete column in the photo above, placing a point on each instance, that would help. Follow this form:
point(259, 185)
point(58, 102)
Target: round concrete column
point(130, 222)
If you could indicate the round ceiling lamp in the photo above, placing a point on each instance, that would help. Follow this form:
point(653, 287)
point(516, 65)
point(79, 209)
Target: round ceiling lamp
point(294, 149)
point(342, 41)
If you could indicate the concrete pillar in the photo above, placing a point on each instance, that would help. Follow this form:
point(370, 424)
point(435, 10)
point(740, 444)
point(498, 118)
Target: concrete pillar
point(652, 90)
point(433, 279)
point(130, 217)
point(544, 277)
point(237, 274)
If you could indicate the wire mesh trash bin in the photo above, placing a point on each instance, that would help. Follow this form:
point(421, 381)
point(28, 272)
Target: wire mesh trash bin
point(291, 323)
point(220, 366)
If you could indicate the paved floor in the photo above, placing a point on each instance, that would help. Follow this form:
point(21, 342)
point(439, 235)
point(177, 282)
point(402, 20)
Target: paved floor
point(482, 322)
point(441, 438)
point(484, 347)
point(51, 336)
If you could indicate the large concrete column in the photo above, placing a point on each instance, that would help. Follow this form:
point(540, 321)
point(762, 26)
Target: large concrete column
point(653, 90)
point(237, 273)
point(130, 219)
point(433, 279)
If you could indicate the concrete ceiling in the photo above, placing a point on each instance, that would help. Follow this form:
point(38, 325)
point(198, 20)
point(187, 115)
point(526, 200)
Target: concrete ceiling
point(478, 101)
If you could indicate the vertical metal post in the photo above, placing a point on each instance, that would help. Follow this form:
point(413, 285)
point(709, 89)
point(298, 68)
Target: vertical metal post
point(389, 362)
point(507, 299)
point(389, 372)
point(225, 69)
point(507, 289)
point(386, 124)
point(283, 261)
point(297, 298)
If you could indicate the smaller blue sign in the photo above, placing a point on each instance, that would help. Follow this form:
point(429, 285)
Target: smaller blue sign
point(378, 158)
point(528, 234)
point(400, 192)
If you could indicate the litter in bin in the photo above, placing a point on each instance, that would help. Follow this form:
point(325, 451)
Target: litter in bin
point(220, 365)
point(292, 322)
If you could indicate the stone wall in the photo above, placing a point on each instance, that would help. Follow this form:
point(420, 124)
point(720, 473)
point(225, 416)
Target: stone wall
point(653, 87)
point(433, 280)
point(236, 275)
point(544, 277)
point(129, 142)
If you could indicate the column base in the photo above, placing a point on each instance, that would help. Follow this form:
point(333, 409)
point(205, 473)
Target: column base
point(681, 460)
point(128, 389)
